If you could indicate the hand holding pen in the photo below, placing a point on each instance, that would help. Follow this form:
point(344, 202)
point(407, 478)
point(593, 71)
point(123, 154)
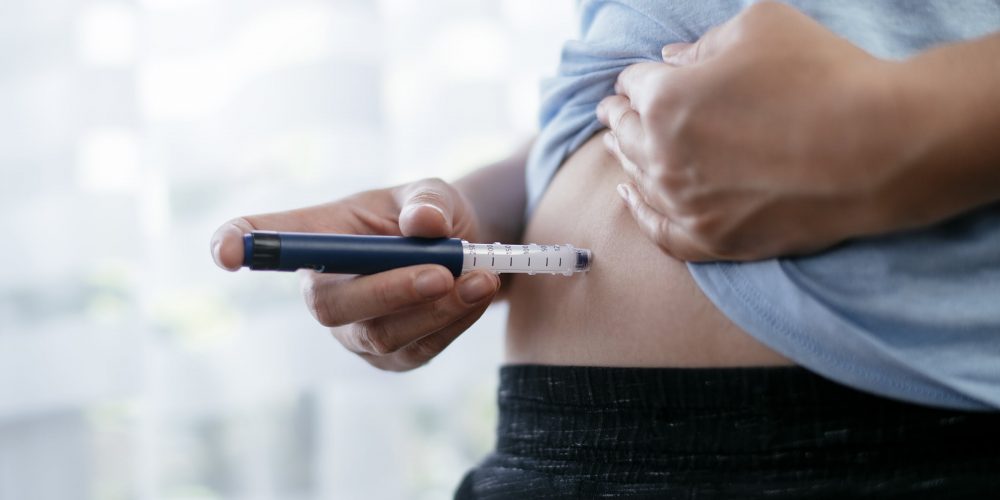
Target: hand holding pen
point(398, 319)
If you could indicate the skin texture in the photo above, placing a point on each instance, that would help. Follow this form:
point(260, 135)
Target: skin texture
point(635, 307)
point(772, 136)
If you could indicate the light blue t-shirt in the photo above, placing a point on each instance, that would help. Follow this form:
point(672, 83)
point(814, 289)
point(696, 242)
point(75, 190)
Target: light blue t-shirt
point(913, 315)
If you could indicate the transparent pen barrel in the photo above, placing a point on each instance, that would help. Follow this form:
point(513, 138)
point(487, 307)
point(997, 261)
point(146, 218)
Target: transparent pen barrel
point(531, 259)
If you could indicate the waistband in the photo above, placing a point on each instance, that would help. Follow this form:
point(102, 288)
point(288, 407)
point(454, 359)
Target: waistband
point(586, 432)
point(664, 388)
point(692, 411)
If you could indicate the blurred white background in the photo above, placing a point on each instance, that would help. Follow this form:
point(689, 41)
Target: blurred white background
point(132, 368)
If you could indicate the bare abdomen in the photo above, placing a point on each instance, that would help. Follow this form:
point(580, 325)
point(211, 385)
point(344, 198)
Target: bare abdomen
point(636, 307)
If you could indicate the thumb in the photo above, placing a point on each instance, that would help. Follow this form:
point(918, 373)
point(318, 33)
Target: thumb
point(672, 53)
point(227, 243)
point(426, 209)
point(706, 47)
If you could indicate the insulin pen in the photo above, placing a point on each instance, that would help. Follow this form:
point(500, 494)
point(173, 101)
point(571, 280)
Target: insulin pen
point(354, 254)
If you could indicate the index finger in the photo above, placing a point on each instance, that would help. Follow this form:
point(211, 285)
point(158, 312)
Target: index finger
point(639, 83)
point(617, 114)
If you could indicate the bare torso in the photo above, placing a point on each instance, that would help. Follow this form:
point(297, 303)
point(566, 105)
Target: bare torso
point(636, 307)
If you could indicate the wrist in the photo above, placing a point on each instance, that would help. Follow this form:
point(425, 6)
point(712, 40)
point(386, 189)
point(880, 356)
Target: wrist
point(918, 123)
point(947, 156)
point(875, 150)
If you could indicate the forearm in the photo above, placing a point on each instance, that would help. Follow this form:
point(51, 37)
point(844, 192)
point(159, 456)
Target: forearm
point(499, 196)
point(952, 100)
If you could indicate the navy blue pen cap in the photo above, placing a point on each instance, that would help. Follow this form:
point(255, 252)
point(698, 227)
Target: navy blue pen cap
point(261, 250)
point(347, 253)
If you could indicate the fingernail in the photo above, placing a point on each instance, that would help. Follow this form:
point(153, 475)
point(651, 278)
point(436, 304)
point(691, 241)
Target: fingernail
point(623, 192)
point(416, 206)
point(476, 288)
point(431, 284)
point(408, 210)
point(670, 52)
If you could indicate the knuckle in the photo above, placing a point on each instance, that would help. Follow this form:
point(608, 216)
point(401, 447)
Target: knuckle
point(702, 227)
point(619, 117)
point(724, 250)
point(711, 236)
point(443, 312)
point(757, 18)
point(425, 349)
point(421, 352)
point(659, 163)
point(681, 123)
point(327, 313)
point(764, 8)
point(663, 167)
point(322, 309)
point(664, 97)
point(373, 338)
point(661, 233)
point(385, 293)
point(670, 124)
point(699, 47)
point(687, 202)
point(658, 109)
point(683, 181)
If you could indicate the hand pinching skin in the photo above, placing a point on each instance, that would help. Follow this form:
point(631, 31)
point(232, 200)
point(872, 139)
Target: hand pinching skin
point(770, 135)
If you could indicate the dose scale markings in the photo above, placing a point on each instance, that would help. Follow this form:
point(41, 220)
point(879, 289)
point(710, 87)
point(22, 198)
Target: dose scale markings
point(556, 259)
